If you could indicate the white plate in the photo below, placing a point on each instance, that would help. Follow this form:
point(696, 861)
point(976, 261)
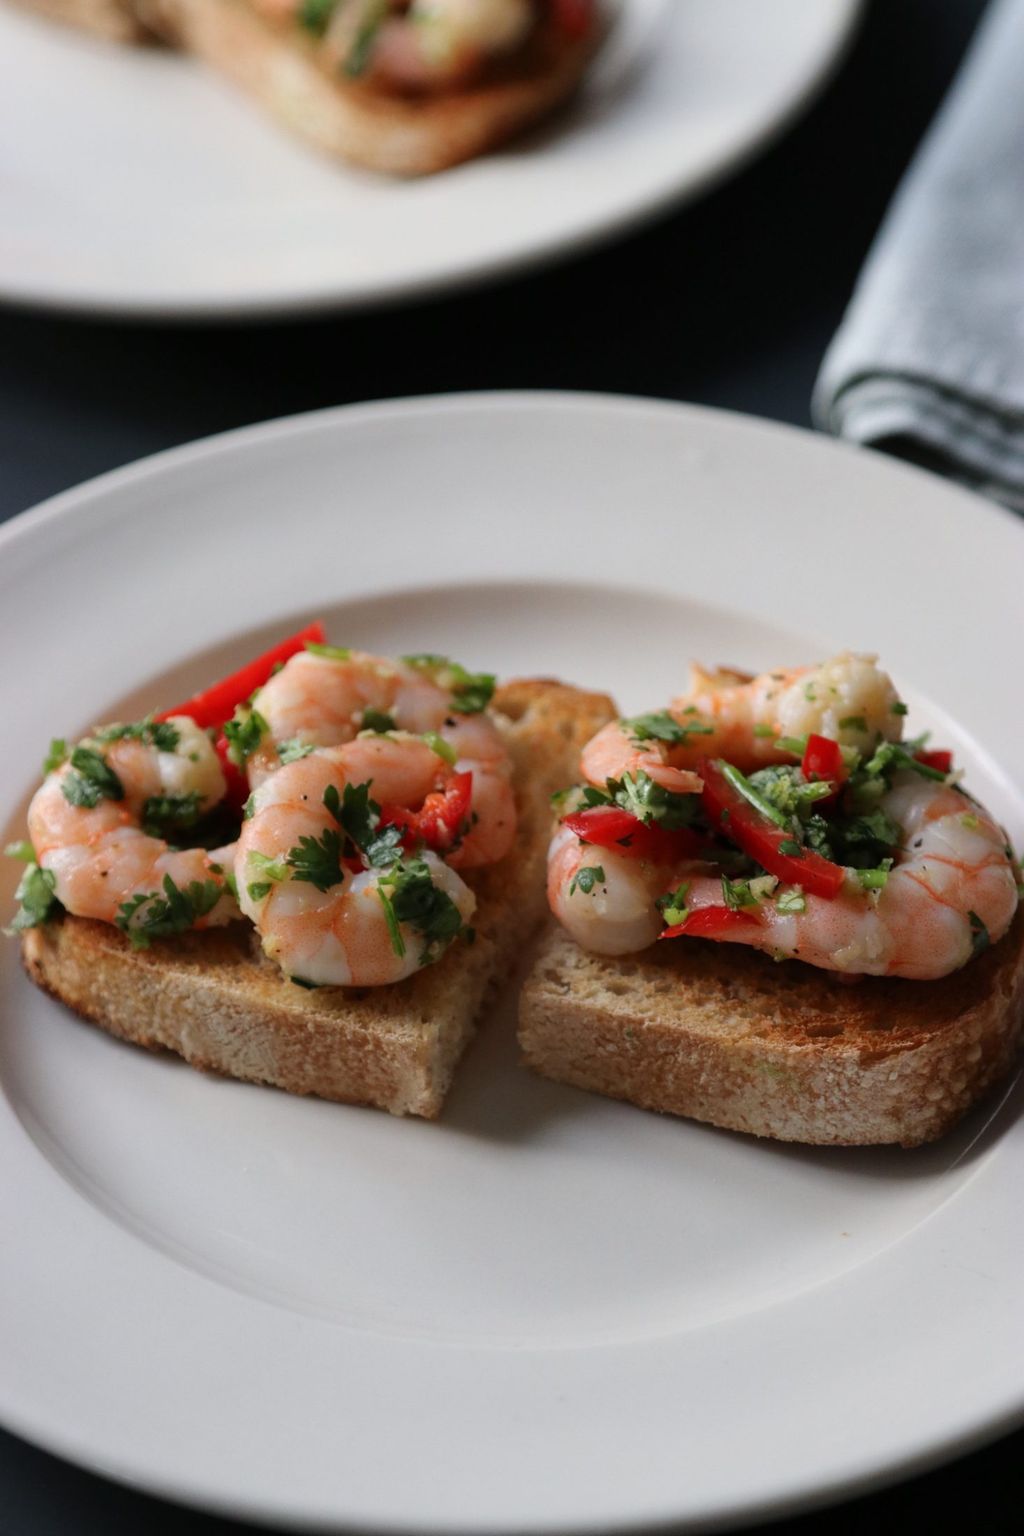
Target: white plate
point(133, 182)
point(546, 1312)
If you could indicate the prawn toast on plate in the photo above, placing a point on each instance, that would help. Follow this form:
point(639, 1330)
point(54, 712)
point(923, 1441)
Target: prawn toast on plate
point(344, 934)
point(845, 960)
point(404, 87)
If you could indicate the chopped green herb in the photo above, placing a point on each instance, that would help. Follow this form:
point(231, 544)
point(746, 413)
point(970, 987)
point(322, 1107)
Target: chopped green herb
point(875, 879)
point(291, 751)
point(796, 746)
point(249, 808)
point(23, 851)
point(376, 720)
point(970, 821)
point(853, 723)
point(164, 814)
point(672, 905)
point(151, 733)
point(980, 938)
point(438, 744)
point(889, 757)
point(791, 846)
point(315, 14)
point(585, 879)
point(317, 860)
point(36, 897)
point(244, 733)
point(149, 915)
point(783, 786)
point(57, 755)
point(359, 816)
point(809, 693)
point(664, 727)
point(744, 787)
point(737, 893)
point(471, 691)
point(764, 730)
point(331, 652)
point(273, 871)
point(374, 16)
point(791, 900)
point(91, 780)
point(409, 895)
point(899, 708)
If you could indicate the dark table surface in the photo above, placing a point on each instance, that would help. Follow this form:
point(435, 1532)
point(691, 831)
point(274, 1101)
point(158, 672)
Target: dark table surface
point(730, 302)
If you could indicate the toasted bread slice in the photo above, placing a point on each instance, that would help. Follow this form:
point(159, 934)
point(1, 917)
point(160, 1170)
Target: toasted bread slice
point(212, 997)
point(720, 1033)
point(115, 19)
point(399, 135)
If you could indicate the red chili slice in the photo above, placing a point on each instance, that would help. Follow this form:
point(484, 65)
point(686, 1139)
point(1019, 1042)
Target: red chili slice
point(441, 818)
point(823, 759)
point(213, 705)
point(611, 827)
point(941, 761)
point(734, 817)
point(714, 923)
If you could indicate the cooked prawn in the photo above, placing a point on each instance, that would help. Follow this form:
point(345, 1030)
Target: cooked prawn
point(337, 923)
point(326, 701)
point(731, 715)
point(420, 46)
point(953, 887)
point(100, 854)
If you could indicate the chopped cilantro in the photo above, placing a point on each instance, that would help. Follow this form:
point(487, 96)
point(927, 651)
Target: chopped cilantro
point(875, 879)
point(57, 755)
point(315, 14)
point(23, 851)
point(148, 915)
point(753, 796)
point(889, 757)
point(971, 822)
point(273, 872)
point(796, 746)
point(361, 51)
point(244, 733)
point(672, 905)
point(899, 708)
point(649, 802)
point(164, 814)
point(782, 785)
point(792, 900)
point(317, 860)
point(37, 898)
point(664, 727)
point(587, 878)
point(409, 895)
point(291, 751)
point(438, 744)
point(331, 652)
point(249, 808)
point(809, 693)
point(764, 730)
point(152, 733)
point(376, 720)
point(471, 691)
point(91, 780)
point(791, 846)
point(737, 893)
point(853, 723)
point(359, 816)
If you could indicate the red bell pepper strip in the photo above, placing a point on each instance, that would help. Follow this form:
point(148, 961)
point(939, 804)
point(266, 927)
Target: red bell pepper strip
point(611, 827)
point(215, 704)
point(823, 759)
point(941, 761)
point(714, 923)
point(441, 819)
point(734, 817)
point(573, 17)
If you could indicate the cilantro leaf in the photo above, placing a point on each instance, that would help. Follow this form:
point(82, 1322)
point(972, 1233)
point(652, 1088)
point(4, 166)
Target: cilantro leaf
point(164, 814)
point(314, 15)
point(737, 894)
point(317, 860)
point(408, 890)
point(471, 691)
point(23, 851)
point(57, 755)
point(91, 780)
point(331, 652)
point(587, 878)
point(148, 915)
point(672, 905)
point(291, 751)
point(791, 900)
point(377, 720)
point(151, 733)
point(244, 732)
point(360, 818)
point(665, 727)
point(36, 894)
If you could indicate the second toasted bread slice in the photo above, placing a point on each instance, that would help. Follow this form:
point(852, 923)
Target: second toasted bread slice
point(720, 1033)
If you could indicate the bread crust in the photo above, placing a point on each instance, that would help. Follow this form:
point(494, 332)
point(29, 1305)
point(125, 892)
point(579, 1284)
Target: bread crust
point(720, 1033)
point(212, 998)
point(398, 135)
point(114, 19)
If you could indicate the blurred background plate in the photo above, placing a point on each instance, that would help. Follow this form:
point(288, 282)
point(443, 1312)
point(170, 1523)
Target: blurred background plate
point(133, 182)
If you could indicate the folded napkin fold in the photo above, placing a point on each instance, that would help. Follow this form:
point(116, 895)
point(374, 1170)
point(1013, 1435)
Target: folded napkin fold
point(930, 355)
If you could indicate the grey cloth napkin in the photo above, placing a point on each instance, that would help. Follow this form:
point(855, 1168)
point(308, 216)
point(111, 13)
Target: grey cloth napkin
point(930, 355)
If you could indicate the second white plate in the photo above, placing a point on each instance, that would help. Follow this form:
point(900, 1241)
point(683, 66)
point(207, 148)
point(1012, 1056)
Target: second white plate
point(134, 182)
point(546, 1312)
